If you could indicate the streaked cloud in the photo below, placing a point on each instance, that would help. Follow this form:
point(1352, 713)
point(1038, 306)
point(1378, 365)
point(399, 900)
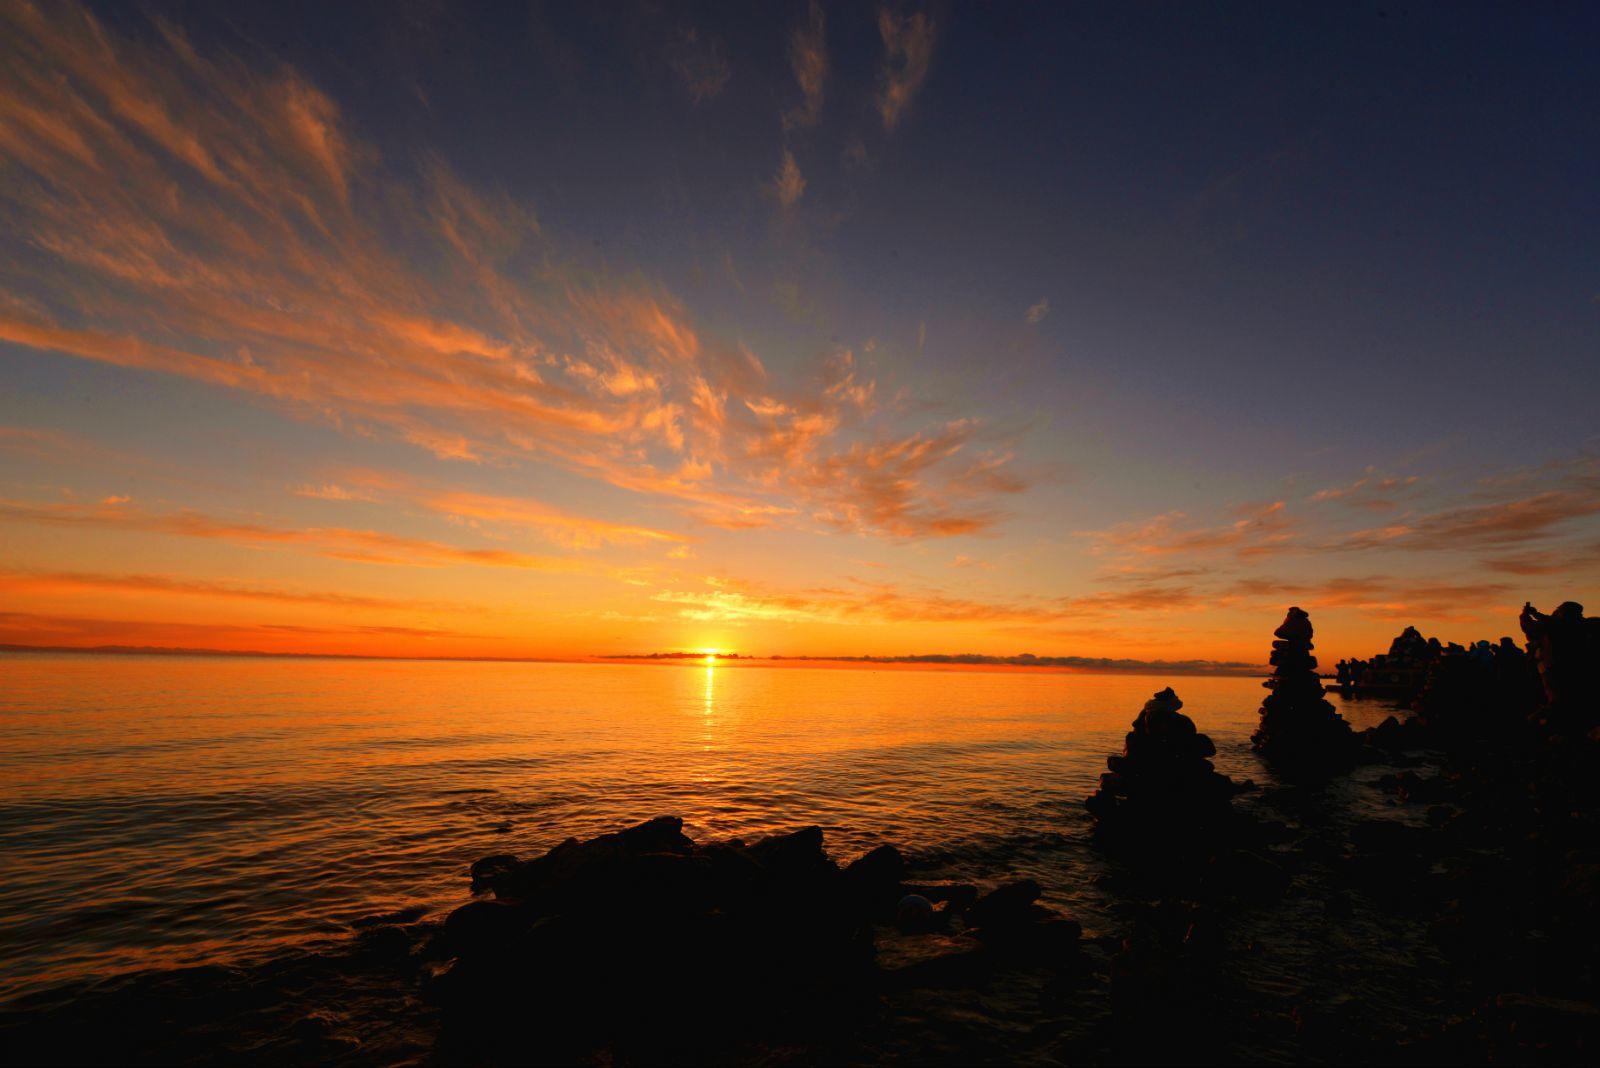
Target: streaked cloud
point(1260, 530)
point(871, 603)
point(788, 185)
point(908, 41)
point(50, 583)
point(700, 63)
point(331, 491)
point(808, 58)
point(191, 215)
point(43, 628)
point(339, 543)
point(1372, 491)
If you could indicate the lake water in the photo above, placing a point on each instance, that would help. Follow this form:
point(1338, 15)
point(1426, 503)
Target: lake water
point(163, 811)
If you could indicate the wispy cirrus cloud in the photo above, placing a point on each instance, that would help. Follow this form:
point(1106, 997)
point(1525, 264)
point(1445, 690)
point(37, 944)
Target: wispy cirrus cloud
point(788, 185)
point(44, 628)
point(339, 543)
point(181, 213)
point(908, 41)
point(1483, 526)
point(51, 583)
point(808, 58)
point(870, 603)
point(1389, 597)
point(1261, 529)
point(332, 491)
point(1522, 510)
point(700, 62)
point(1372, 490)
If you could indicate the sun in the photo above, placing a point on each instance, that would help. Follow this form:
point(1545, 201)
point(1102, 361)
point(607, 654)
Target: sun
point(710, 656)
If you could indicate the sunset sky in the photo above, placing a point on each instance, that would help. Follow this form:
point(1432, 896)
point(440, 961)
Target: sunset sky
point(570, 329)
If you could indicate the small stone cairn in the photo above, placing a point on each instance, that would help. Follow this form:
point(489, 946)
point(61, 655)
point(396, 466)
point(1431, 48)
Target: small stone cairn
point(1299, 727)
point(1163, 787)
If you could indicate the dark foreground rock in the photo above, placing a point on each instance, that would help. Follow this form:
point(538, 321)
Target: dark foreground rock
point(611, 944)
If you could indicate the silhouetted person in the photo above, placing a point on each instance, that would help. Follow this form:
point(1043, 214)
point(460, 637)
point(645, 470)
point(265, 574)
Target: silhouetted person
point(1566, 647)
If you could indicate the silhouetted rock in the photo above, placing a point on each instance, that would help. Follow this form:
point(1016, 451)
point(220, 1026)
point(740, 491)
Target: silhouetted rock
point(1006, 905)
point(1300, 731)
point(1162, 792)
point(773, 933)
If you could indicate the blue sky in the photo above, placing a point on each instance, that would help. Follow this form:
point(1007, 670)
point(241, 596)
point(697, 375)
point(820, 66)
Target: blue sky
point(1076, 326)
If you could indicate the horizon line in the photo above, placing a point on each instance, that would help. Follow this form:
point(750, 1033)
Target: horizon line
point(1088, 665)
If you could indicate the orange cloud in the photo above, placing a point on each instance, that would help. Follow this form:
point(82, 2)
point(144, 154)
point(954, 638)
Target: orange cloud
point(340, 543)
point(808, 58)
point(1484, 526)
point(578, 532)
point(1371, 491)
point(881, 603)
point(201, 217)
point(1261, 530)
point(31, 628)
point(39, 583)
point(907, 53)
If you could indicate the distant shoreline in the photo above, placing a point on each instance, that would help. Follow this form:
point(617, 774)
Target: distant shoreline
point(935, 661)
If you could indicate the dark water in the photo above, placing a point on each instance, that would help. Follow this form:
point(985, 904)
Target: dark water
point(165, 811)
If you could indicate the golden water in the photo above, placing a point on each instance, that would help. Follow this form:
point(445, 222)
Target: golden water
point(161, 811)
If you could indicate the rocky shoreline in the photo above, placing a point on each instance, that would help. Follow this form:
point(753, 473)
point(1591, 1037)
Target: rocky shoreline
point(1422, 892)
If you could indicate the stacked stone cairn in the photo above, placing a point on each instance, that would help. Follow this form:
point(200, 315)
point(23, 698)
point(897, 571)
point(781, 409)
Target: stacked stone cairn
point(1163, 788)
point(1299, 727)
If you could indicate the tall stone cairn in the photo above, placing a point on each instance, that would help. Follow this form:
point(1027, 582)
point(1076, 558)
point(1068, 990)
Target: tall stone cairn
point(1163, 784)
point(1298, 724)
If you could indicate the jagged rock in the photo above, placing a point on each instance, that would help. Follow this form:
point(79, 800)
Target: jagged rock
point(797, 855)
point(878, 870)
point(1300, 730)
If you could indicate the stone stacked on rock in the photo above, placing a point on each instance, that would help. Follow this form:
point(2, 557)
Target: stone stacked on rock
point(1163, 787)
point(1299, 728)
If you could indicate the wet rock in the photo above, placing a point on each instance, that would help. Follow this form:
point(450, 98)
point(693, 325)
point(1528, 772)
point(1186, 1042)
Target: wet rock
point(875, 876)
point(1006, 905)
point(486, 871)
point(959, 896)
point(1300, 732)
point(935, 961)
point(485, 928)
point(797, 855)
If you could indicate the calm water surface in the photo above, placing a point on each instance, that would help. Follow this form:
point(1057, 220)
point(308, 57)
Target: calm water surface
point(161, 811)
